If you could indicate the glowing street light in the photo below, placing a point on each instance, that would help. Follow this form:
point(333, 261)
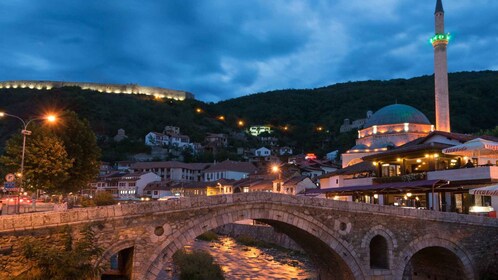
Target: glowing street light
point(240, 123)
point(50, 118)
point(276, 169)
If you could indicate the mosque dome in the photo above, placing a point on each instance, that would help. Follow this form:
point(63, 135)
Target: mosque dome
point(396, 114)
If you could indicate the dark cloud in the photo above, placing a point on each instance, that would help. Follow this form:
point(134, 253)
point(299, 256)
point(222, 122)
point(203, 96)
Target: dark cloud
point(223, 49)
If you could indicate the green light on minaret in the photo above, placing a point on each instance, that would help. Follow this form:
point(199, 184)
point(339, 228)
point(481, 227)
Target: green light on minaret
point(440, 38)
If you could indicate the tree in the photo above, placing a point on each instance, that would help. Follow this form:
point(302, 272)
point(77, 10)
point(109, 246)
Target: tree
point(73, 261)
point(81, 146)
point(46, 163)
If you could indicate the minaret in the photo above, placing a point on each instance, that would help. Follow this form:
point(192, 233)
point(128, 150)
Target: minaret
point(439, 42)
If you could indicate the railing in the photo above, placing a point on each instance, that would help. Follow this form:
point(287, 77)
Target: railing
point(465, 174)
point(402, 178)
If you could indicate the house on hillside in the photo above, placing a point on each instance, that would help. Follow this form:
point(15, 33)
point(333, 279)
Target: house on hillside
point(156, 139)
point(124, 165)
point(262, 152)
point(293, 185)
point(285, 151)
point(217, 139)
point(120, 136)
point(170, 136)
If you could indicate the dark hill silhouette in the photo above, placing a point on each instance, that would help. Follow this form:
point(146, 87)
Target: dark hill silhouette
point(473, 105)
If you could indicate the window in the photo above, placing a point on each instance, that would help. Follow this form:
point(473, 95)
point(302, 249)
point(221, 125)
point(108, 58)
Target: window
point(379, 253)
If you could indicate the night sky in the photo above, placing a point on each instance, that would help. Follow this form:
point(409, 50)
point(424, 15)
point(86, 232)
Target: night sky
point(221, 49)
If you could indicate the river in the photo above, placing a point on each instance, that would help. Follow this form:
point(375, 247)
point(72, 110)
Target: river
point(240, 262)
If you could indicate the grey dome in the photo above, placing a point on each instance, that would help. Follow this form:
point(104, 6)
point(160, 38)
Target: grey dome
point(395, 114)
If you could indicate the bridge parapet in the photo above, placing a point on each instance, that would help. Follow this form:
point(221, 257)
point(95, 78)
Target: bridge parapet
point(85, 215)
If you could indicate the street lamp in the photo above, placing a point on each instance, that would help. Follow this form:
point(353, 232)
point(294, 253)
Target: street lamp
point(276, 169)
point(25, 132)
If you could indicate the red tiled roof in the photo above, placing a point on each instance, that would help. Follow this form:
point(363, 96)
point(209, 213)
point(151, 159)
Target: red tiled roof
point(295, 180)
point(169, 164)
point(228, 165)
point(158, 186)
point(193, 185)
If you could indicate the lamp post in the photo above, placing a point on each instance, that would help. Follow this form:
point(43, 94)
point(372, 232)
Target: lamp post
point(276, 169)
point(25, 132)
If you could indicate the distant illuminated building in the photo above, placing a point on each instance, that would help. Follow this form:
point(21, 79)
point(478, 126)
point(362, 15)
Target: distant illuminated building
point(258, 129)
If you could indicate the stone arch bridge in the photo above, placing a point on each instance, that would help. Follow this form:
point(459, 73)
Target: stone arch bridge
point(345, 240)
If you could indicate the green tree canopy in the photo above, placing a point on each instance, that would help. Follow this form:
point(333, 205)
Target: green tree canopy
point(81, 146)
point(46, 162)
point(62, 157)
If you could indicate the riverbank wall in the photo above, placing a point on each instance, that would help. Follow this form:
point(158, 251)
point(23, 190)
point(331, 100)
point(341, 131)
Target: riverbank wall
point(263, 233)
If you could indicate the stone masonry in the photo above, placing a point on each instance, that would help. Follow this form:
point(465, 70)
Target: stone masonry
point(337, 235)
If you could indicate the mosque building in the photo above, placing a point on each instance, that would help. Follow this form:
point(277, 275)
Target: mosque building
point(397, 124)
point(401, 159)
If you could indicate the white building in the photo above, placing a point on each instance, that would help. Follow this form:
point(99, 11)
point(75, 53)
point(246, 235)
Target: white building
point(125, 185)
point(262, 152)
point(228, 170)
point(172, 170)
point(156, 139)
point(294, 185)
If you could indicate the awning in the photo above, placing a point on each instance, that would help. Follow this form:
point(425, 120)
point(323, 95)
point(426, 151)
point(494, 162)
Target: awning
point(474, 148)
point(397, 187)
point(489, 190)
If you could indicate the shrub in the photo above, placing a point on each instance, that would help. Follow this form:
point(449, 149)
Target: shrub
point(197, 265)
point(104, 198)
point(208, 236)
point(71, 260)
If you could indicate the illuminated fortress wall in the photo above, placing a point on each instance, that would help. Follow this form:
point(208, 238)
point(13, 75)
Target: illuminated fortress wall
point(107, 88)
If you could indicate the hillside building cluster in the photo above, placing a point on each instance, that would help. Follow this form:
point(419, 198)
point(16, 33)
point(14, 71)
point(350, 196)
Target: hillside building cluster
point(153, 180)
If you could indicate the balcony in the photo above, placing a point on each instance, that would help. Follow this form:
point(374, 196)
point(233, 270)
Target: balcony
point(478, 174)
point(357, 182)
point(403, 178)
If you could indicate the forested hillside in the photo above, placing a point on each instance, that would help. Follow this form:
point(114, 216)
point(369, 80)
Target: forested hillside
point(307, 119)
point(473, 105)
point(473, 101)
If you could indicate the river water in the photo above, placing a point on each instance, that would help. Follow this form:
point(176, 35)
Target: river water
point(240, 262)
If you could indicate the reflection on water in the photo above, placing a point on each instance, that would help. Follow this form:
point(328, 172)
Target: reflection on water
point(243, 262)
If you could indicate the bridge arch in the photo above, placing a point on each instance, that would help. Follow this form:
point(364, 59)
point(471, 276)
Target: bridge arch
point(454, 256)
point(390, 241)
point(337, 252)
point(114, 249)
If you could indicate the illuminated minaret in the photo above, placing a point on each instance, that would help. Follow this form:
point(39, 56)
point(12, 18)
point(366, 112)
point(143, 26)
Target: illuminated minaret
point(439, 42)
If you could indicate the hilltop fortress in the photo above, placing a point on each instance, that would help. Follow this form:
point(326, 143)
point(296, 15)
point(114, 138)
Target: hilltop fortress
point(107, 88)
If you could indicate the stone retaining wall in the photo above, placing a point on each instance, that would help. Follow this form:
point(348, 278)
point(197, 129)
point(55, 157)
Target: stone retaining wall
point(107, 88)
point(259, 232)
